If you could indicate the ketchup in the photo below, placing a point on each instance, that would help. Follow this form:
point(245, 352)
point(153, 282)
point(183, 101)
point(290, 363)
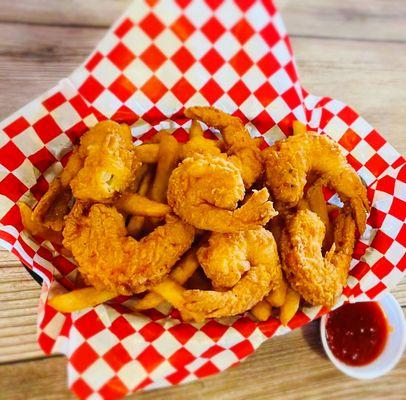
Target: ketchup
point(357, 333)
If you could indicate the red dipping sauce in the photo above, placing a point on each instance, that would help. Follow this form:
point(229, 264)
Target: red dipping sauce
point(357, 333)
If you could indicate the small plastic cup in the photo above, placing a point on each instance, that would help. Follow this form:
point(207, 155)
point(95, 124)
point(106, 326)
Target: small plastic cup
point(390, 355)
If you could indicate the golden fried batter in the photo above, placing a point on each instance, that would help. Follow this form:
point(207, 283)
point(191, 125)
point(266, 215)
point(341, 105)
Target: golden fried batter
point(55, 203)
point(288, 162)
point(109, 162)
point(264, 275)
point(205, 190)
point(224, 259)
point(53, 206)
point(110, 260)
point(35, 228)
point(200, 145)
point(240, 146)
point(316, 278)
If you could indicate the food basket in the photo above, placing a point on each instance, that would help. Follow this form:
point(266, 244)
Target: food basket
point(160, 57)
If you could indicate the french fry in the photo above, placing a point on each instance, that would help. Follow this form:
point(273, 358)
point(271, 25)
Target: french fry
point(185, 267)
point(136, 222)
point(139, 176)
point(157, 138)
point(134, 226)
point(180, 274)
point(262, 311)
point(167, 160)
point(195, 129)
point(35, 228)
point(171, 291)
point(145, 184)
point(135, 204)
point(317, 204)
point(277, 297)
point(289, 307)
point(147, 153)
point(299, 128)
point(80, 299)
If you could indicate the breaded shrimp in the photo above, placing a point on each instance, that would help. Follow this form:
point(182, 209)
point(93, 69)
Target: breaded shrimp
point(264, 275)
point(288, 162)
point(110, 260)
point(316, 278)
point(224, 258)
point(109, 162)
point(198, 144)
point(55, 203)
point(53, 206)
point(241, 148)
point(205, 190)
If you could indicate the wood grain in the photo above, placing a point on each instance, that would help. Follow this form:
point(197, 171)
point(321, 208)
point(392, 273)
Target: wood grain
point(365, 20)
point(377, 20)
point(351, 50)
point(33, 59)
point(289, 367)
point(19, 295)
point(89, 13)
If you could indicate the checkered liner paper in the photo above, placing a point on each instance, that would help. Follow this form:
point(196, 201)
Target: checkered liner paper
point(160, 57)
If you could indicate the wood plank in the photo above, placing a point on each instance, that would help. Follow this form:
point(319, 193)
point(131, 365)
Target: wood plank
point(284, 367)
point(28, 354)
point(362, 75)
point(369, 20)
point(351, 19)
point(357, 70)
point(400, 293)
point(55, 12)
point(32, 293)
point(7, 258)
point(13, 272)
point(19, 295)
point(34, 59)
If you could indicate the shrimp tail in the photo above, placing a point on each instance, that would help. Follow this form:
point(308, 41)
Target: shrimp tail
point(241, 148)
point(108, 259)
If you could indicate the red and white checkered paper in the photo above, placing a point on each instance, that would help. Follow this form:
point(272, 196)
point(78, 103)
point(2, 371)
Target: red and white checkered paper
point(160, 57)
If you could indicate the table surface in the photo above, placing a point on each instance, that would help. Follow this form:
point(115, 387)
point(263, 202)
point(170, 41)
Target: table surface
point(354, 50)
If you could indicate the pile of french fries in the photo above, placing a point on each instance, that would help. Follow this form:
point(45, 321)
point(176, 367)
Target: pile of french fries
point(146, 206)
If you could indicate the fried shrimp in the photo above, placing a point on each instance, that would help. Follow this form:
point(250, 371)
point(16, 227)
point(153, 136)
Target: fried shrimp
point(205, 190)
point(198, 144)
point(316, 278)
point(224, 259)
point(241, 148)
point(55, 203)
point(110, 260)
point(258, 247)
point(289, 161)
point(109, 163)
point(53, 206)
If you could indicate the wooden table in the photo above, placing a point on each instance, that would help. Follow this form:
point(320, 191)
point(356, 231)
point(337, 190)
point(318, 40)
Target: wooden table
point(354, 50)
